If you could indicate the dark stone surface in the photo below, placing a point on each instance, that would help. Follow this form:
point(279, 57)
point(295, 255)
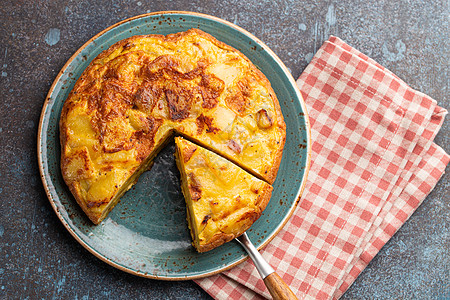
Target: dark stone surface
point(39, 258)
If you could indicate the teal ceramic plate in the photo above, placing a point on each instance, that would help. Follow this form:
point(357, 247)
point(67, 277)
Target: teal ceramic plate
point(146, 233)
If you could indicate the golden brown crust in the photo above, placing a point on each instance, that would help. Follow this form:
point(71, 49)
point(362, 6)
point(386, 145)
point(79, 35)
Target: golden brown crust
point(217, 240)
point(264, 197)
point(95, 217)
point(271, 174)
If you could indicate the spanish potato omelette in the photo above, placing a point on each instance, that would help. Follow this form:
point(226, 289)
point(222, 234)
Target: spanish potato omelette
point(134, 95)
point(222, 200)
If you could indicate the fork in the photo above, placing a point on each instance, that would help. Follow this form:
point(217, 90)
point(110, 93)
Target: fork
point(276, 286)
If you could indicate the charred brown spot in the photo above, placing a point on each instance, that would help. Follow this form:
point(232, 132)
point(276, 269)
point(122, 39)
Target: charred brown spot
point(245, 87)
point(205, 219)
point(188, 152)
point(88, 85)
point(143, 140)
point(108, 105)
point(166, 67)
point(194, 187)
point(91, 204)
point(179, 102)
point(233, 145)
point(200, 124)
point(147, 96)
point(107, 168)
point(250, 216)
point(122, 146)
point(211, 87)
point(93, 102)
point(127, 46)
point(117, 69)
point(163, 77)
point(237, 102)
point(163, 62)
point(111, 73)
point(192, 74)
point(138, 134)
point(201, 121)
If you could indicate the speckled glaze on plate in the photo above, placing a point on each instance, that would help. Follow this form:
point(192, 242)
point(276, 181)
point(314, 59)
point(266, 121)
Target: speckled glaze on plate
point(146, 233)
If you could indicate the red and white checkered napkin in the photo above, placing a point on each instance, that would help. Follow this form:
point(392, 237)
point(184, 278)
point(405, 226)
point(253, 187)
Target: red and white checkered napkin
point(373, 163)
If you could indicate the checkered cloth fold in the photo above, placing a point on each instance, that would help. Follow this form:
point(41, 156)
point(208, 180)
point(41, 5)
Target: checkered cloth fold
point(373, 163)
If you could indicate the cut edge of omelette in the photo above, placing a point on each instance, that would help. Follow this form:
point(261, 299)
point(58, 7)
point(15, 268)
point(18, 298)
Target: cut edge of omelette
point(222, 200)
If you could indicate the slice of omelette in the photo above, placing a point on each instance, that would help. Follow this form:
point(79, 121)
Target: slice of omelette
point(222, 200)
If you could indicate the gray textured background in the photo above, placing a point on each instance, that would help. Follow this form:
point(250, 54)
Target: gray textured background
point(39, 258)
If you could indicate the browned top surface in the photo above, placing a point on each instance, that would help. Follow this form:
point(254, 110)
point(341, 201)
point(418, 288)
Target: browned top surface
point(134, 94)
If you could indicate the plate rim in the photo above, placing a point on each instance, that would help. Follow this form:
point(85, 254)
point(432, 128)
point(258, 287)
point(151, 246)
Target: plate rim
point(94, 251)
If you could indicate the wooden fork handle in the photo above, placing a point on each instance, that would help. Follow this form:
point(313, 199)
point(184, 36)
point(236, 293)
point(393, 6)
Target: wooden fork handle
point(278, 288)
